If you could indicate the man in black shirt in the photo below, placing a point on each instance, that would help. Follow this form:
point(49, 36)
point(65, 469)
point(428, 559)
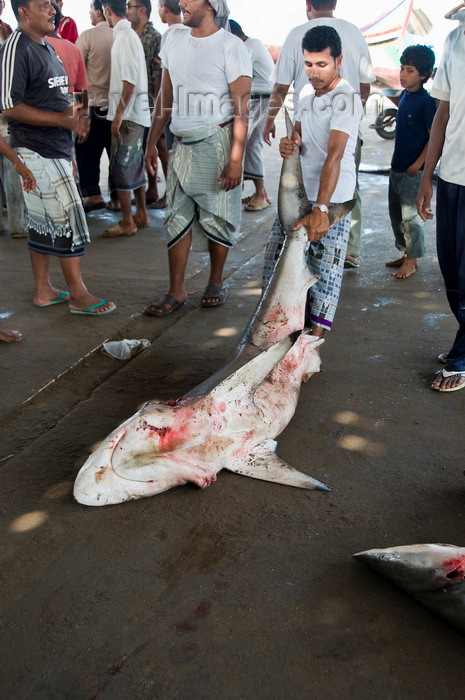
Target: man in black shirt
point(34, 97)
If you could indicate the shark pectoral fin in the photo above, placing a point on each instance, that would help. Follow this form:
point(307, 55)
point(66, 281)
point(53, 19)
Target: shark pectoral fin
point(337, 212)
point(265, 464)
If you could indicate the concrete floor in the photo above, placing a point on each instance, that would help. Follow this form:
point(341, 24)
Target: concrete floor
point(247, 589)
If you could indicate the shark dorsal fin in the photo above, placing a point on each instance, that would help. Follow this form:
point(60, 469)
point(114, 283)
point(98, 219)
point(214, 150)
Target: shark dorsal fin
point(246, 379)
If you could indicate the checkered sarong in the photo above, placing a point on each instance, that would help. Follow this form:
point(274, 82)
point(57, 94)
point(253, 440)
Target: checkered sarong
point(325, 258)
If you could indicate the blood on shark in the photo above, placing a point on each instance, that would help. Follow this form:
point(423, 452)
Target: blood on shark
point(231, 420)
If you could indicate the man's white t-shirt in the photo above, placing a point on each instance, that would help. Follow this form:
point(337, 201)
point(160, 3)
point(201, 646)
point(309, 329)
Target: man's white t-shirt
point(339, 110)
point(448, 86)
point(262, 65)
point(356, 64)
point(201, 69)
point(172, 28)
point(128, 64)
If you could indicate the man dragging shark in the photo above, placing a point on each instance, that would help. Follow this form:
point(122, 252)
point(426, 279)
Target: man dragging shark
point(325, 132)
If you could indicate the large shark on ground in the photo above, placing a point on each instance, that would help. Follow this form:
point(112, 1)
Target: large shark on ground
point(230, 420)
point(433, 574)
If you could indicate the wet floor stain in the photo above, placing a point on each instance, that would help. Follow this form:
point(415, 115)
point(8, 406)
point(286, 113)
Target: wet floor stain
point(432, 320)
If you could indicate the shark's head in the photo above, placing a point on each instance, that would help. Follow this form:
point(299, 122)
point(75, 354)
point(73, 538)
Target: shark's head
point(135, 460)
point(419, 567)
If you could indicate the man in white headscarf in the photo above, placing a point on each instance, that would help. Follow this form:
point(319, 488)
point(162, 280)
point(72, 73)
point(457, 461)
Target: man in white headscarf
point(206, 84)
point(221, 13)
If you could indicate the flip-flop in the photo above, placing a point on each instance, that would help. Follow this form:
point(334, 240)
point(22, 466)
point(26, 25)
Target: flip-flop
point(159, 203)
point(256, 204)
point(213, 291)
point(166, 299)
point(64, 296)
point(14, 336)
point(445, 374)
point(90, 312)
point(348, 264)
point(117, 231)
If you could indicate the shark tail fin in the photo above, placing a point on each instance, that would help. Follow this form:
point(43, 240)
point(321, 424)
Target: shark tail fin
point(265, 464)
point(289, 124)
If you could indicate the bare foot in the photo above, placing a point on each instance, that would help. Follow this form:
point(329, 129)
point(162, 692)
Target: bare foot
point(10, 336)
point(141, 222)
point(408, 268)
point(398, 262)
point(49, 297)
point(454, 382)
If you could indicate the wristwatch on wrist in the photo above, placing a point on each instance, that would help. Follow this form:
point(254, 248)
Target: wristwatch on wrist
point(321, 207)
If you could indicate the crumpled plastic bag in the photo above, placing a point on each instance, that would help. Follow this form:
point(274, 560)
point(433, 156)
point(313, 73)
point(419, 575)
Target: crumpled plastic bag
point(124, 349)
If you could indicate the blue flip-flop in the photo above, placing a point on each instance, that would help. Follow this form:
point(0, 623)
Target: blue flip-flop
point(64, 296)
point(88, 311)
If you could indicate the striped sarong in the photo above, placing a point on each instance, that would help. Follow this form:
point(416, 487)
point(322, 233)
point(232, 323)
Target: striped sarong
point(195, 198)
point(324, 258)
point(253, 159)
point(55, 218)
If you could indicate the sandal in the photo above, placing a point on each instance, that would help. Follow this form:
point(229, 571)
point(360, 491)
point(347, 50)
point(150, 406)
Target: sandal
point(159, 203)
point(214, 291)
point(166, 299)
point(444, 374)
point(257, 204)
point(117, 231)
point(248, 199)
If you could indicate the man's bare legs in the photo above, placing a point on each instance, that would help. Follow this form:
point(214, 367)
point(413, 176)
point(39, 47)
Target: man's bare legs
point(45, 291)
point(177, 259)
point(317, 330)
point(79, 297)
point(140, 217)
point(127, 220)
point(218, 255)
point(407, 266)
point(151, 195)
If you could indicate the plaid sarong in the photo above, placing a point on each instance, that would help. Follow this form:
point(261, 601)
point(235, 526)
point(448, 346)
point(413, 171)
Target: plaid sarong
point(55, 218)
